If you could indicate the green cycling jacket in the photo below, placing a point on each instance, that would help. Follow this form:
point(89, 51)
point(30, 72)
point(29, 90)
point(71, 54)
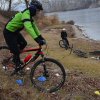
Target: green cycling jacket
point(23, 19)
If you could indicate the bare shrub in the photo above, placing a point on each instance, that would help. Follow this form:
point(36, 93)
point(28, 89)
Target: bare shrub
point(48, 21)
point(7, 14)
point(71, 22)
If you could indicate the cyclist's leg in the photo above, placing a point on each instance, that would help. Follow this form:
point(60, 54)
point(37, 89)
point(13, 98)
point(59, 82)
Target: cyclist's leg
point(11, 41)
point(21, 41)
point(67, 42)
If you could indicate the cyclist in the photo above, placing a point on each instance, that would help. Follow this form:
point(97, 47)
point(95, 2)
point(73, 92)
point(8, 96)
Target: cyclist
point(64, 36)
point(14, 39)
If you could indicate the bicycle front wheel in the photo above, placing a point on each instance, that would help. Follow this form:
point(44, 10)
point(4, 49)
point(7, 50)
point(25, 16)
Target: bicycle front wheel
point(61, 43)
point(48, 75)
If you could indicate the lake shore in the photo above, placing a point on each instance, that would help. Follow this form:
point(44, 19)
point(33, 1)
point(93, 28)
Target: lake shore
point(87, 19)
point(79, 33)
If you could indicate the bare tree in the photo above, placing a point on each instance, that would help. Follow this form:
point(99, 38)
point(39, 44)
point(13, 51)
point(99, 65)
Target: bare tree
point(26, 2)
point(9, 8)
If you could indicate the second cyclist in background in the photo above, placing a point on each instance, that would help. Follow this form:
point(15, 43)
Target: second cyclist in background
point(64, 38)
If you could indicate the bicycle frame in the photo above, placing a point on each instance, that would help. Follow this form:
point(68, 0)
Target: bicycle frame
point(35, 56)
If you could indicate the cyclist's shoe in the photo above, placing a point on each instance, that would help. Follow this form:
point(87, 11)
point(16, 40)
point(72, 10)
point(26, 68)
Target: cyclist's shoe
point(66, 47)
point(21, 73)
point(17, 70)
point(69, 47)
point(21, 62)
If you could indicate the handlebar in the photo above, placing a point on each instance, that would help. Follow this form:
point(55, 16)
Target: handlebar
point(40, 46)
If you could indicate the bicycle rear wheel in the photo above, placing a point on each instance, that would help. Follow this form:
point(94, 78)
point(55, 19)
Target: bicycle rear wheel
point(5, 58)
point(48, 75)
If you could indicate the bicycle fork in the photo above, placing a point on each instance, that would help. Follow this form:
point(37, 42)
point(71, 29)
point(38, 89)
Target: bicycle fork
point(45, 73)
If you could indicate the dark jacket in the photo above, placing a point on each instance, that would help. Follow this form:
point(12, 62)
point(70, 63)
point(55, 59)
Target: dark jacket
point(63, 34)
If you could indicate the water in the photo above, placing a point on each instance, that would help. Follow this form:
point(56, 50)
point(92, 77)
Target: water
point(89, 19)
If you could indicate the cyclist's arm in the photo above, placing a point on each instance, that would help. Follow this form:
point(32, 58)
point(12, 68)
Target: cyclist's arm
point(28, 25)
point(36, 29)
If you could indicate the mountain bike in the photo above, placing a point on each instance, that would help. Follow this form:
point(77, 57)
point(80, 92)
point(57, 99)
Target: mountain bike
point(47, 74)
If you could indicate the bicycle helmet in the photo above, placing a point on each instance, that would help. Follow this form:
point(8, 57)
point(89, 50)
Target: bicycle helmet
point(37, 4)
point(63, 29)
point(32, 10)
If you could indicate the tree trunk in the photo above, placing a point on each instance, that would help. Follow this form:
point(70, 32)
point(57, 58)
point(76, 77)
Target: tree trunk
point(26, 1)
point(9, 8)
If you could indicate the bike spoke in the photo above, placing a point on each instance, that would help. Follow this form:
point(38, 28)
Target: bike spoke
point(49, 80)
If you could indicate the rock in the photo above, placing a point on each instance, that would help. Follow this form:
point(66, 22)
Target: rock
point(71, 22)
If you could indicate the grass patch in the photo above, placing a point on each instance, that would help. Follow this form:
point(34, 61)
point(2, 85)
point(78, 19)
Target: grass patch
point(71, 62)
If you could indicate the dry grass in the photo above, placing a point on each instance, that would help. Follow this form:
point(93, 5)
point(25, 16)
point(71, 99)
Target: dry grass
point(81, 81)
point(86, 65)
point(46, 21)
point(7, 14)
point(71, 62)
